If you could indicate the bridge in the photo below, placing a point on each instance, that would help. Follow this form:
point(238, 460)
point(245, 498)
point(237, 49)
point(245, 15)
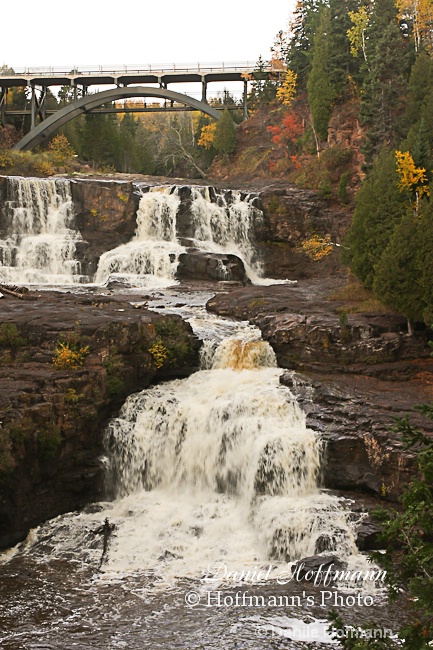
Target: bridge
point(38, 80)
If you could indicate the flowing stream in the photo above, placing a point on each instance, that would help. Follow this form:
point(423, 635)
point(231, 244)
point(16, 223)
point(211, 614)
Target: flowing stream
point(213, 482)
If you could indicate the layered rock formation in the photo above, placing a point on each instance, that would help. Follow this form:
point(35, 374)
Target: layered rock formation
point(66, 365)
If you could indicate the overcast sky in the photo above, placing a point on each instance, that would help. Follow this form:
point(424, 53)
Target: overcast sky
point(84, 32)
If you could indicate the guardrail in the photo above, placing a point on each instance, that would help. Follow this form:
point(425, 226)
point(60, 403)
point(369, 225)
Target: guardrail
point(117, 70)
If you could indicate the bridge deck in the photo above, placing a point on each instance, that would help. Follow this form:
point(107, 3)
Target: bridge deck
point(131, 74)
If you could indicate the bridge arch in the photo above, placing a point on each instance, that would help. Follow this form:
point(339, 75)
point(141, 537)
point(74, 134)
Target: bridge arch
point(47, 127)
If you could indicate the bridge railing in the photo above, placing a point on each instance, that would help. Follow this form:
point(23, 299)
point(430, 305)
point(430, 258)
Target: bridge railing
point(117, 70)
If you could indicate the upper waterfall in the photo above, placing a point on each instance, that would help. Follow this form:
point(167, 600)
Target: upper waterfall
point(151, 257)
point(40, 242)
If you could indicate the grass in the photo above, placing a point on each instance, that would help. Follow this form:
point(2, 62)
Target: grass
point(357, 299)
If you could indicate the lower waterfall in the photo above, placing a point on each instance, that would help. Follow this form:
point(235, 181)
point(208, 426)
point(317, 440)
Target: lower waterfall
point(220, 467)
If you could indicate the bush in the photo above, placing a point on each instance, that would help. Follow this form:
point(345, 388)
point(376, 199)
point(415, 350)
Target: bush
point(70, 354)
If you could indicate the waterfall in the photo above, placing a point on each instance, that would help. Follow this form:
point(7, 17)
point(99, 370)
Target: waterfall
point(151, 257)
point(39, 240)
point(217, 222)
point(225, 452)
point(226, 225)
point(39, 246)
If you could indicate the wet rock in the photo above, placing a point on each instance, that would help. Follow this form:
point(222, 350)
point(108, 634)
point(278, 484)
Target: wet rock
point(367, 535)
point(311, 569)
point(200, 265)
point(307, 333)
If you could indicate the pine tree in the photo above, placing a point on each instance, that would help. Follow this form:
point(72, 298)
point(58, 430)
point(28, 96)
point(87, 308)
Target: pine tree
point(320, 86)
point(379, 209)
point(383, 93)
point(396, 281)
point(263, 90)
point(225, 134)
point(303, 28)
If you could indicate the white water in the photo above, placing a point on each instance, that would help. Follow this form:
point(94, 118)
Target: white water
point(40, 244)
point(216, 469)
point(150, 259)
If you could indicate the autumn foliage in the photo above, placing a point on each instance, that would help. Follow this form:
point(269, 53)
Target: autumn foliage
point(289, 130)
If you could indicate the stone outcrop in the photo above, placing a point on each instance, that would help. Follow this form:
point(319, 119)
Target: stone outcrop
point(199, 265)
point(355, 417)
point(53, 414)
point(105, 214)
point(307, 333)
point(292, 216)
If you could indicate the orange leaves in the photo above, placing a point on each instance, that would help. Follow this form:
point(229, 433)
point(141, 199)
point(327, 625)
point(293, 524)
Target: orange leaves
point(288, 132)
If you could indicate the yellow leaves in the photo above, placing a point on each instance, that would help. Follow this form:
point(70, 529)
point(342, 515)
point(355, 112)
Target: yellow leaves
point(61, 149)
point(207, 136)
point(159, 353)
point(420, 12)
point(69, 356)
point(286, 93)
point(412, 178)
point(316, 247)
point(356, 33)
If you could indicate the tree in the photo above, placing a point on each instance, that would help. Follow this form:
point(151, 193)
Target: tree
point(320, 86)
point(302, 30)
point(263, 90)
point(225, 134)
point(397, 273)
point(384, 91)
point(286, 93)
point(420, 14)
point(61, 149)
point(413, 180)
point(356, 33)
point(207, 136)
point(379, 209)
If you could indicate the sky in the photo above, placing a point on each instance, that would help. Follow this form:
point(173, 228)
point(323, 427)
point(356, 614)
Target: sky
point(85, 32)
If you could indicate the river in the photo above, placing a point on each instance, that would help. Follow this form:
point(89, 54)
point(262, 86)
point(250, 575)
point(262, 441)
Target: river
point(212, 482)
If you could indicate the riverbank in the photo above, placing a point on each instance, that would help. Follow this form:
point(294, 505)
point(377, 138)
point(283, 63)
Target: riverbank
point(67, 363)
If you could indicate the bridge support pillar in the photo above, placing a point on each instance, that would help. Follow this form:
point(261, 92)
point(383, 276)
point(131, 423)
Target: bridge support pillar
point(204, 91)
point(244, 99)
point(3, 93)
point(38, 105)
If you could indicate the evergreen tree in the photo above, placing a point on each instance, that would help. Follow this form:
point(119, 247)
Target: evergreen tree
point(304, 26)
point(397, 274)
point(379, 209)
point(320, 85)
point(343, 64)
point(263, 90)
point(128, 161)
point(100, 142)
point(385, 84)
point(420, 84)
point(225, 134)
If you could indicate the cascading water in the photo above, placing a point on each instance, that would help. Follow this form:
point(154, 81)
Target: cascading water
point(230, 446)
point(39, 247)
point(218, 226)
point(226, 226)
point(151, 257)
